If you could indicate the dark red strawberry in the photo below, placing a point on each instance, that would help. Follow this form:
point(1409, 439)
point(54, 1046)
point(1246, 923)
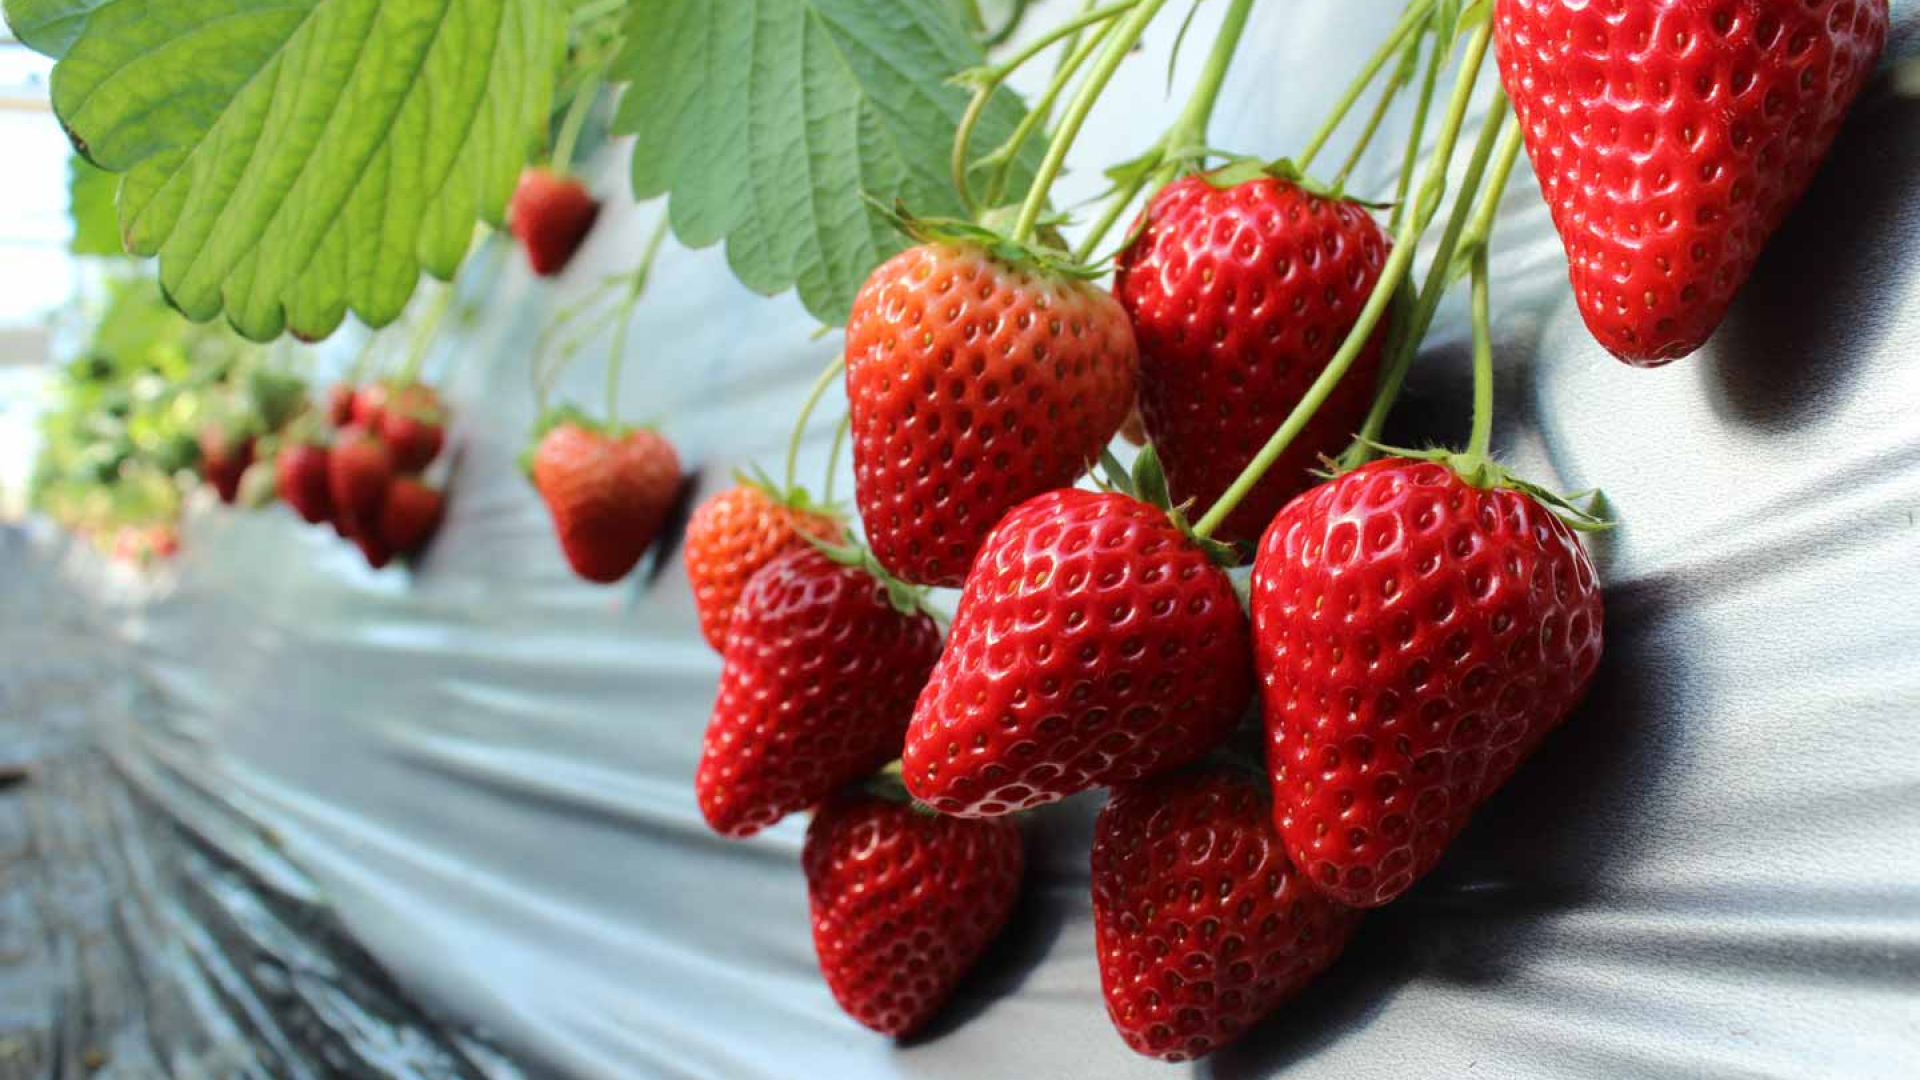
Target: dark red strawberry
point(551, 216)
point(975, 384)
point(413, 425)
point(224, 457)
point(1095, 644)
point(374, 549)
point(1417, 637)
point(410, 516)
point(370, 406)
point(359, 473)
point(609, 492)
point(1672, 137)
point(904, 903)
point(1239, 296)
point(1201, 924)
point(340, 405)
point(301, 472)
point(821, 670)
point(731, 536)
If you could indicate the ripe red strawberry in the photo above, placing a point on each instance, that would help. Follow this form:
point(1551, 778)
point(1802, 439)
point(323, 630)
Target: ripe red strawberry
point(731, 536)
point(1671, 137)
point(410, 516)
point(413, 425)
point(1239, 296)
point(820, 676)
point(609, 492)
point(551, 216)
point(359, 473)
point(301, 471)
point(340, 405)
point(975, 384)
point(904, 903)
point(374, 549)
point(224, 457)
point(1201, 924)
point(1095, 644)
point(1417, 638)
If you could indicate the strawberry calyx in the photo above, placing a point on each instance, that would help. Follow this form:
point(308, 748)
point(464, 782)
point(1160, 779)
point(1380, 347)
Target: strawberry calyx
point(796, 498)
point(1049, 255)
point(569, 415)
point(1240, 169)
point(1147, 483)
point(1483, 472)
point(906, 599)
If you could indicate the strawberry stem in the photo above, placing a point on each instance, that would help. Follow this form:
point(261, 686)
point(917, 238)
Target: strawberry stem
point(1436, 59)
point(1481, 230)
point(576, 119)
point(1395, 83)
point(637, 284)
point(833, 457)
point(423, 336)
point(1415, 18)
point(1072, 58)
point(814, 395)
point(1482, 438)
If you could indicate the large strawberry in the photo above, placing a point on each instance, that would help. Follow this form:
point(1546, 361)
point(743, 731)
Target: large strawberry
point(1417, 636)
point(735, 533)
point(976, 381)
point(904, 903)
point(1671, 137)
point(1096, 643)
point(225, 454)
point(301, 472)
point(1239, 296)
point(413, 425)
point(822, 664)
point(1201, 923)
point(609, 490)
point(551, 215)
point(359, 472)
point(410, 516)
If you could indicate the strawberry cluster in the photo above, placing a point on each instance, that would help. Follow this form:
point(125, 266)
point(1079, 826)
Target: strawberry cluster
point(363, 471)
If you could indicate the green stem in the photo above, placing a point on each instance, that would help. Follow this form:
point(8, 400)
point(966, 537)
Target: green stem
point(423, 337)
point(1387, 96)
point(1012, 26)
point(962, 137)
point(833, 457)
point(1482, 438)
point(814, 395)
point(1436, 60)
point(1116, 50)
point(618, 357)
point(1005, 155)
point(1414, 18)
point(1481, 229)
point(576, 120)
point(1116, 205)
point(1381, 298)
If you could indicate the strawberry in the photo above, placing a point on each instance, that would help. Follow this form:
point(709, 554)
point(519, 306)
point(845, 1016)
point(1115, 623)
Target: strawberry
point(1417, 636)
point(413, 425)
point(409, 517)
point(609, 492)
point(821, 667)
point(551, 216)
point(1672, 137)
point(340, 405)
point(1201, 924)
point(369, 406)
point(374, 549)
point(975, 383)
point(1239, 297)
point(735, 533)
point(224, 457)
point(903, 903)
point(301, 471)
point(163, 541)
point(1096, 643)
point(359, 473)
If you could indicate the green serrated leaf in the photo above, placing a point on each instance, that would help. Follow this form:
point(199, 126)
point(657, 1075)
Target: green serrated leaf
point(291, 160)
point(90, 198)
point(769, 123)
point(50, 27)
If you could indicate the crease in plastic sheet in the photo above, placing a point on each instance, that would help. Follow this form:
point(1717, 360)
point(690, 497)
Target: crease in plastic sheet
point(1713, 869)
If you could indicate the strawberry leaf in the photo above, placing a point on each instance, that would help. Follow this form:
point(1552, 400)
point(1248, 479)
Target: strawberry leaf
point(769, 123)
point(96, 231)
point(291, 160)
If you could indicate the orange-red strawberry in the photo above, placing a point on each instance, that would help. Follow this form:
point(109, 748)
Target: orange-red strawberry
point(551, 216)
point(340, 405)
point(1672, 137)
point(1201, 924)
point(224, 458)
point(731, 536)
point(1095, 644)
point(1417, 637)
point(1239, 296)
point(359, 472)
point(975, 383)
point(903, 903)
point(369, 406)
point(413, 425)
point(410, 516)
point(821, 670)
point(609, 492)
point(301, 473)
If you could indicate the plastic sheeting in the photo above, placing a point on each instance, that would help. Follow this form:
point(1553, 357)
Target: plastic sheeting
point(1713, 869)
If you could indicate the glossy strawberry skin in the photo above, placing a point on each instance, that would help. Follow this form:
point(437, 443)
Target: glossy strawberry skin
point(1671, 138)
point(224, 460)
point(1416, 638)
point(551, 216)
point(904, 903)
point(1094, 644)
point(413, 425)
point(359, 472)
point(370, 406)
point(974, 385)
point(818, 683)
point(609, 495)
point(1239, 297)
point(1201, 923)
point(410, 516)
point(301, 474)
point(730, 537)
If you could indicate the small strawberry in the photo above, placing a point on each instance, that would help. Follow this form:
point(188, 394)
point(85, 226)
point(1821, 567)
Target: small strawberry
point(735, 533)
point(1417, 636)
point(370, 406)
point(904, 903)
point(374, 549)
point(551, 216)
point(359, 473)
point(340, 405)
point(975, 383)
point(822, 664)
point(224, 457)
point(1096, 643)
point(1672, 137)
point(301, 470)
point(410, 516)
point(1239, 297)
point(1201, 924)
point(609, 491)
point(163, 541)
point(413, 425)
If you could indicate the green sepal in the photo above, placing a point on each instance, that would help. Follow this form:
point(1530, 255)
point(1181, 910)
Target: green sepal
point(563, 415)
point(906, 599)
point(1487, 474)
point(798, 499)
point(1147, 482)
point(1047, 258)
point(1241, 169)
